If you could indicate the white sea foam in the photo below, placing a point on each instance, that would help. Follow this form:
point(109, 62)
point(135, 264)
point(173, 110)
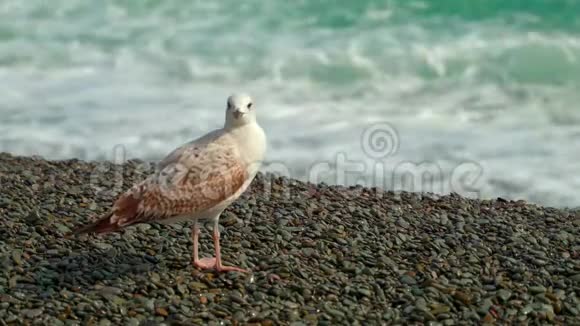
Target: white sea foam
point(83, 80)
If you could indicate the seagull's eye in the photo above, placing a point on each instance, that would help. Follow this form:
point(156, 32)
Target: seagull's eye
point(249, 105)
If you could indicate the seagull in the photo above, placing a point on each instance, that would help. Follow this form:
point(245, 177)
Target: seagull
point(196, 182)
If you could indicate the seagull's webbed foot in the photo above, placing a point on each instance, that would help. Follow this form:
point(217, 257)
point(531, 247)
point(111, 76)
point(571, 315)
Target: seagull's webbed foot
point(205, 263)
point(212, 264)
point(223, 268)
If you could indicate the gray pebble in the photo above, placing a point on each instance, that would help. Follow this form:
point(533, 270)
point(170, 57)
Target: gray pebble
point(31, 313)
point(318, 254)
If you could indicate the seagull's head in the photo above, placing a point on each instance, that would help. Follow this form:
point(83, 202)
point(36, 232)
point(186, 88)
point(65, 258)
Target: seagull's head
point(240, 110)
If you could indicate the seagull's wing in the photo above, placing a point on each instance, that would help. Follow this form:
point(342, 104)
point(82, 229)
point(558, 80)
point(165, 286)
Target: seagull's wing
point(194, 147)
point(192, 179)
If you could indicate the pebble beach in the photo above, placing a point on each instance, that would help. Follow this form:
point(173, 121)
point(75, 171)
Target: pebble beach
point(319, 255)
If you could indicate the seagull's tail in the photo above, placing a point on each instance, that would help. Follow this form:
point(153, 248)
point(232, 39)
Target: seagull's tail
point(125, 209)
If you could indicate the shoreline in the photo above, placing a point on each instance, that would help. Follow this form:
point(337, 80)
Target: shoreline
point(340, 255)
point(144, 167)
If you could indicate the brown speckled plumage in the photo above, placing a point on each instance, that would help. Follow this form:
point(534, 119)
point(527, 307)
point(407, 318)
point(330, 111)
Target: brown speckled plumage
point(190, 180)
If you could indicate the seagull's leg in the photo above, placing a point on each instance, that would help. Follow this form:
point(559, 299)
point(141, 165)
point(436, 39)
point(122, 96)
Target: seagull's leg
point(216, 242)
point(204, 263)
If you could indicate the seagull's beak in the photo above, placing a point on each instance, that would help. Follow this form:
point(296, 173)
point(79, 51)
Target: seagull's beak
point(238, 113)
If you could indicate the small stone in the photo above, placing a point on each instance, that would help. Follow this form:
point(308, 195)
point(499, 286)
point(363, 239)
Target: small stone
point(312, 318)
point(31, 313)
point(111, 290)
point(182, 288)
point(150, 304)
point(402, 223)
point(438, 309)
point(462, 297)
point(239, 315)
point(527, 309)
point(143, 227)
point(335, 313)
point(62, 228)
point(504, 295)
point(537, 289)
point(484, 306)
point(17, 257)
point(133, 322)
point(103, 246)
point(308, 251)
point(197, 285)
point(236, 296)
point(11, 318)
point(161, 312)
point(488, 319)
point(407, 279)
point(104, 322)
point(365, 292)
point(297, 323)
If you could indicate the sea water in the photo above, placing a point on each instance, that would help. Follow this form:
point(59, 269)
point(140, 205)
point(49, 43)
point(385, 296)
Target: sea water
point(478, 97)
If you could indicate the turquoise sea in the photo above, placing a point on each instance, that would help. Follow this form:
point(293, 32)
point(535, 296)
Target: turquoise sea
point(484, 95)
